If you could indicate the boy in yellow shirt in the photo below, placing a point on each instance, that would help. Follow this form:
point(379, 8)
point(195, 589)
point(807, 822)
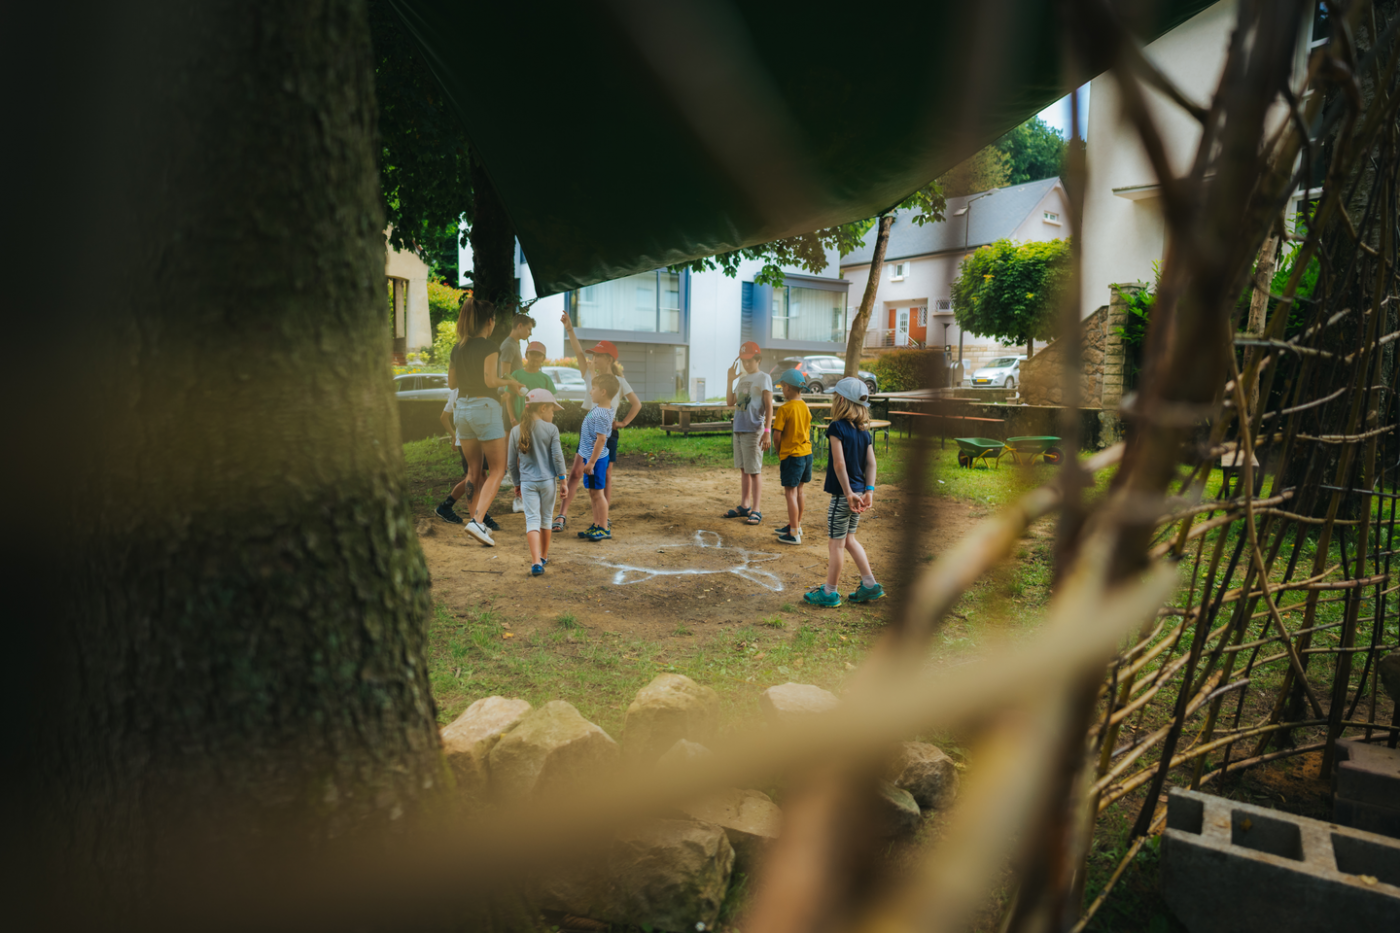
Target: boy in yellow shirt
point(792, 423)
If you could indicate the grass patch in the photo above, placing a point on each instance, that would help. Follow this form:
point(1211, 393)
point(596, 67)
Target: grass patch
point(774, 622)
point(567, 620)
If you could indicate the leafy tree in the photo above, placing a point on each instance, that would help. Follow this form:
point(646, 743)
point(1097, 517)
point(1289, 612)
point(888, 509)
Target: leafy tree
point(443, 301)
point(986, 169)
point(1033, 150)
point(1011, 291)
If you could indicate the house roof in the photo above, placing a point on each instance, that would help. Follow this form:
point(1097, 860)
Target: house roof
point(646, 134)
point(994, 217)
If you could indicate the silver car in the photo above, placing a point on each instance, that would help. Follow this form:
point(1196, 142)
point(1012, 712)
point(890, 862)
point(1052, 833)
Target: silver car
point(1001, 373)
point(568, 382)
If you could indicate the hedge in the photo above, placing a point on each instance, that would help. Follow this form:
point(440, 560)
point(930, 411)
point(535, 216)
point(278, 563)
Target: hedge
point(902, 370)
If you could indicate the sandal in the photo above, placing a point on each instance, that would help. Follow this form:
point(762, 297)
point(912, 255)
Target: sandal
point(738, 511)
point(559, 523)
point(755, 518)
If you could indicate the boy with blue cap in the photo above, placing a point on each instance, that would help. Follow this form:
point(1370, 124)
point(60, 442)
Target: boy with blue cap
point(792, 423)
point(850, 480)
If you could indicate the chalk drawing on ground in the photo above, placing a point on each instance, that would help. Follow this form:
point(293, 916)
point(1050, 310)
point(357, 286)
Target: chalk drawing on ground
point(738, 561)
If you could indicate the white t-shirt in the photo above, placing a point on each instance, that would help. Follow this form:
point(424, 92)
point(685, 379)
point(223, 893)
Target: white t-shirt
point(451, 409)
point(749, 410)
point(624, 389)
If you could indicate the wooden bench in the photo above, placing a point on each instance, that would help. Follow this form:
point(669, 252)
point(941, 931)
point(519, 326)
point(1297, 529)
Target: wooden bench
point(943, 437)
point(683, 410)
point(876, 425)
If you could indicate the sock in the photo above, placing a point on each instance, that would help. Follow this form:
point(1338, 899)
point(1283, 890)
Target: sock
point(867, 581)
point(827, 587)
point(449, 501)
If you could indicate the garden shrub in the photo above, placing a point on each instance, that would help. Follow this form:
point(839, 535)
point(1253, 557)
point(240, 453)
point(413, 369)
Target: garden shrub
point(903, 370)
point(443, 302)
point(444, 339)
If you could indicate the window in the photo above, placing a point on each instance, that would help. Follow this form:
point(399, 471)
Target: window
point(923, 316)
point(813, 314)
point(1052, 218)
point(898, 271)
point(434, 382)
point(1321, 25)
point(647, 303)
point(943, 306)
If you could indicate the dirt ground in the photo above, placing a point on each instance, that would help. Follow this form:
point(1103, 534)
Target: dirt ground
point(672, 559)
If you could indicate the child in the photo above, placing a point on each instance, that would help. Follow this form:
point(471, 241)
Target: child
point(850, 479)
point(445, 510)
point(752, 398)
point(593, 449)
point(792, 422)
point(536, 463)
point(530, 377)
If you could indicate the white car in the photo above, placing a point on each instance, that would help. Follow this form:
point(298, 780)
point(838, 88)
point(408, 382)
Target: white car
point(568, 383)
point(1001, 373)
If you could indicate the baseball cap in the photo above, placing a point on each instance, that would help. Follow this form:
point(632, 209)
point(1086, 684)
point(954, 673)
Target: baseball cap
point(853, 389)
point(536, 396)
point(793, 378)
point(534, 346)
point(749, 350)
point(605, 346)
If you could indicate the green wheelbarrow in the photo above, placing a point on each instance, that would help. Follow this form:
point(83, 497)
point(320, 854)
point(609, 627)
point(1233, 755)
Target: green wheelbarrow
point(972, 449)
point(1024, 450)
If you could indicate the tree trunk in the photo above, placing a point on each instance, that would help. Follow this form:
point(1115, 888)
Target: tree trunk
point(234, 644)
point(855, 342)
point(493, 243)
point(1030, 347)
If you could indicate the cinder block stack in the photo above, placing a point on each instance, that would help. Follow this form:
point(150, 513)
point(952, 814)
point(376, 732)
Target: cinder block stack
point(1366, 787)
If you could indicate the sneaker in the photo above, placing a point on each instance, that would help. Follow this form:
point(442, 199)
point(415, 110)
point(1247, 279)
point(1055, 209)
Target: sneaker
point(588, 532)
point(867, 594)
point(782, 531)
point(480, 533)
point(786, 538)
point(599, 534)
point(820, 597)
point(490, 522)
point(448, 514)
point(607, 532)
point(537, 570)
point(544, 562)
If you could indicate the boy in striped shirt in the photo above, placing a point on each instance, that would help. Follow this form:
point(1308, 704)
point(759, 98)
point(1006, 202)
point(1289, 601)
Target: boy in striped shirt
point(593, 447)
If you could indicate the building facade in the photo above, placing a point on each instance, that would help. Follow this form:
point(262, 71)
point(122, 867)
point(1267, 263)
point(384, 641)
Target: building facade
point(913, 303)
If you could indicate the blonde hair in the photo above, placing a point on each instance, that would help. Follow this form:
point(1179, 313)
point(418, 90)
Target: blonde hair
point(615, 369)
point(527, 424)
point(843, 409)
point(472, 314)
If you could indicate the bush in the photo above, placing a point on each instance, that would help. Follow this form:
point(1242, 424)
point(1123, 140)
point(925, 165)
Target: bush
point(903, 370)
point(443, 341)
point(443, 301)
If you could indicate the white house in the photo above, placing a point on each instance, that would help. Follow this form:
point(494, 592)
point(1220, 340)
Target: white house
point(1124, 231)
point(408, 275)
point(913, 303)
point(677, 332)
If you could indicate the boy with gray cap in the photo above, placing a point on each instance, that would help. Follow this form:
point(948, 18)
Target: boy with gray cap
point(850, 481)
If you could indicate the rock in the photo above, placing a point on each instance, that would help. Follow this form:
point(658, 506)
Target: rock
point(790, 701)
point(423, 528)
point(927, 773)
point(1389, 670)
point(670, 708)
point(552, 748)
point(899, 812)
point(469, 739)
point(667, 875)
point(749, 818)
point(681, 754)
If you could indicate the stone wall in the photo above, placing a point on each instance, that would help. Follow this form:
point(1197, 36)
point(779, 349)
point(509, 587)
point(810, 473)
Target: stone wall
point(1101, 380)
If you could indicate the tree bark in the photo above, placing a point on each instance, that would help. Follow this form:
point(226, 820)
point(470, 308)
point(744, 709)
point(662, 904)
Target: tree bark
point(855, 342)
point(233, 655)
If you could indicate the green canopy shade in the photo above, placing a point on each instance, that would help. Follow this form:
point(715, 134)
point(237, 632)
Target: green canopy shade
point(631, 134)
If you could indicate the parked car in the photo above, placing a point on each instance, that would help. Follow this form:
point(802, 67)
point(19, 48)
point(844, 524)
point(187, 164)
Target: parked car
point(821, 372)
point(1001, 373)
point(568, 382)
point(421, 386)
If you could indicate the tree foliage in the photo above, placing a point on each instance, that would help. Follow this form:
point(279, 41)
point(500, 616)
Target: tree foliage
point(1011, 291)
point(986, 169)
point(1033, 150)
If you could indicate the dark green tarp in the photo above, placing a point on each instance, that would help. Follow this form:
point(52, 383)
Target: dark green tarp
point(629, 134)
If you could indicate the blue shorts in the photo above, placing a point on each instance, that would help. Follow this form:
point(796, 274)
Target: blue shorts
point(599, 479)
point(612, 445)
point(794, 471)
point(478, 419)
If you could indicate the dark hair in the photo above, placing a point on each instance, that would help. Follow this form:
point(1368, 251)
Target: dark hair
point(608, 383)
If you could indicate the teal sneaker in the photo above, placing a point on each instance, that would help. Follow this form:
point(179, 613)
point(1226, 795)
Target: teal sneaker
point(867, 594)
point(820, 597)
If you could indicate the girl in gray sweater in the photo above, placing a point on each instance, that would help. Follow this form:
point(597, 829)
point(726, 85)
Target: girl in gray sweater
point(535, 461)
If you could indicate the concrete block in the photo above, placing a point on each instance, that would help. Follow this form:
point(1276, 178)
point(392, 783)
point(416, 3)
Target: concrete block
point(1232, 867)
point(1373, 819)
point(1367, 773)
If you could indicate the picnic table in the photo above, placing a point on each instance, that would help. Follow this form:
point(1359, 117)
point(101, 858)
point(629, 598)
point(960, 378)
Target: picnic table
point(875, 425)
point(943, 435)
point(683, 411)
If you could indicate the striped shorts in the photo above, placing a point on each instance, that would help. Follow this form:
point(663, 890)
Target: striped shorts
point(840, 520)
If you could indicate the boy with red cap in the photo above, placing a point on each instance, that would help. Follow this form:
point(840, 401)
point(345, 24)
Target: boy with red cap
point(601, 360)
point(750, 391)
